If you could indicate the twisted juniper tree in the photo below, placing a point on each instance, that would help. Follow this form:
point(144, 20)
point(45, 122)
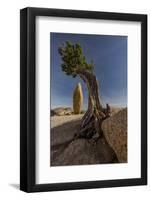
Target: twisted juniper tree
point(74, 63)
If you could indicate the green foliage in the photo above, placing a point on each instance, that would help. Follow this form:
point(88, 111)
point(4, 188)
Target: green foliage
point(73, 59)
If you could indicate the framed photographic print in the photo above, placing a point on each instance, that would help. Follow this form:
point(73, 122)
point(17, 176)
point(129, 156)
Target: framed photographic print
point(83, 99)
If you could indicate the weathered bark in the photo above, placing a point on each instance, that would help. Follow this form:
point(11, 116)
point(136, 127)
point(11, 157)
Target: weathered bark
point(95, 114)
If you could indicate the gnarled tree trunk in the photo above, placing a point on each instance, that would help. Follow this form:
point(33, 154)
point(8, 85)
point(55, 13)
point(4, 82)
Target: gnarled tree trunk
point(95, 114)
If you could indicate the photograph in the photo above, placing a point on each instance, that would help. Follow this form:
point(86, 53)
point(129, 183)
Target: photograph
point(83, 99)
point(88, 99)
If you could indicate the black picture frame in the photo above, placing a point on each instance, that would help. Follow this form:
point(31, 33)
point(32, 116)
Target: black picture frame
point(28, 98)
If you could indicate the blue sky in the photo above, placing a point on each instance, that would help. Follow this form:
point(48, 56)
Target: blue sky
point(109, 54)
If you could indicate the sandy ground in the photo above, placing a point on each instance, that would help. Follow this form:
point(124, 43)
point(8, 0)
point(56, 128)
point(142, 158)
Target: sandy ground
point(63, 128)
point(59, 120)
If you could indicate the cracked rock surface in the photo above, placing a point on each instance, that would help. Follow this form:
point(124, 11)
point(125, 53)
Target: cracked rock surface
point(115, 133)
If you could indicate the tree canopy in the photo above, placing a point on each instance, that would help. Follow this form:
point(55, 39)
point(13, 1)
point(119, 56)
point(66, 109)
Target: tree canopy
point(73, 59)
point(74, 63)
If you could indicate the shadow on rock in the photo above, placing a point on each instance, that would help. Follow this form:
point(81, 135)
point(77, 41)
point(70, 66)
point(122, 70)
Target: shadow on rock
point(65, 151)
